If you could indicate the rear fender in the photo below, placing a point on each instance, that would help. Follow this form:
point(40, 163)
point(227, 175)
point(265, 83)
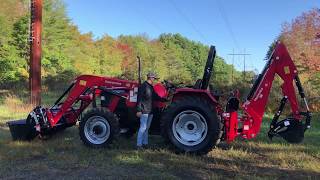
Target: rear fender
point(194, 92)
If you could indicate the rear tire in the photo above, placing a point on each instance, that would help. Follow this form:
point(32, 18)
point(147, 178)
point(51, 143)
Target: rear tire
point(98, 127)
point(191, 124)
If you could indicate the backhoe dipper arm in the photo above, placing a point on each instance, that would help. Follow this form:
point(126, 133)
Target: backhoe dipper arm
point(279, 63)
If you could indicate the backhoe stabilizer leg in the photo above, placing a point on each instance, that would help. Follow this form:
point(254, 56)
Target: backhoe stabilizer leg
point(273, 125)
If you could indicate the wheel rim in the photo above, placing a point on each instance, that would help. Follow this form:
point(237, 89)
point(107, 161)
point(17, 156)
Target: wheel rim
point(189, 128)
point(97, 130)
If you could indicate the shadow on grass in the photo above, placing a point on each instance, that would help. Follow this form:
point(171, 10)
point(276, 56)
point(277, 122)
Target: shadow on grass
point(252, 170)
point(186, 166)
point(266, 149)
point(262, 144)
point(65, 156)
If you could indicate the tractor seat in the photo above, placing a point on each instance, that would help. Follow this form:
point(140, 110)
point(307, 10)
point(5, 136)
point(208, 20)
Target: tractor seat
point(233, 104)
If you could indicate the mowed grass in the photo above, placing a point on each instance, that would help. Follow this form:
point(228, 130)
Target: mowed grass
point(65, 157)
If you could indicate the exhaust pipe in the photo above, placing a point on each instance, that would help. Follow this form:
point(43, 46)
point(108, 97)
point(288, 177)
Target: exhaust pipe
point(139, 69)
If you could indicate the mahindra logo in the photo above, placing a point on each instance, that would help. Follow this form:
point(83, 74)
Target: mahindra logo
point(112, 82)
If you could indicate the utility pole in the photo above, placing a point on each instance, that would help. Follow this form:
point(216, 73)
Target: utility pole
point(244, 61)
point(232, 76)
point(35, 52)
point(244, 65)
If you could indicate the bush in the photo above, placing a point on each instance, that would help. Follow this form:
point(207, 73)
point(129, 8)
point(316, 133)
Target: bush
point(60, 81)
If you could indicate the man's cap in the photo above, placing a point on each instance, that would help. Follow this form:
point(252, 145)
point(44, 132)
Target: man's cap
point(152, 75)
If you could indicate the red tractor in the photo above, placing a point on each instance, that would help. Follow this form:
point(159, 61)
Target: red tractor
point(193, 120)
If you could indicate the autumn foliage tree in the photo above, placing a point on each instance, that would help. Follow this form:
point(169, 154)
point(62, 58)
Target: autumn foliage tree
point(302, 38)
point(67, 52)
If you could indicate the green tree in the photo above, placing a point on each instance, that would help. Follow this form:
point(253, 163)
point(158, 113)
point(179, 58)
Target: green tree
point(67, 52)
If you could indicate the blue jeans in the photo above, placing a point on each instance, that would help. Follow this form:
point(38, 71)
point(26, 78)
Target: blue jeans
point(145, 122)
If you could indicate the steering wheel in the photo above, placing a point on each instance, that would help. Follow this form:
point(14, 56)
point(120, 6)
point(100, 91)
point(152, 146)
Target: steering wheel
point(168, 84)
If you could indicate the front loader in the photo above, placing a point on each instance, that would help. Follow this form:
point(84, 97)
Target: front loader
point(192, 121)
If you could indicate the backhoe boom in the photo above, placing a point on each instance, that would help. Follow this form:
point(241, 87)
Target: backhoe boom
point(279, 63)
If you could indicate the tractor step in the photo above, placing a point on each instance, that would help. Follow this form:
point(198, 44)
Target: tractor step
point(19, 130)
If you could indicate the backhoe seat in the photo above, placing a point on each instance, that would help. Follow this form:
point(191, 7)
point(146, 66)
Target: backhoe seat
point(233, 104)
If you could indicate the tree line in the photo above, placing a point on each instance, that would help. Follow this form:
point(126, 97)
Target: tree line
point(68, 53)
point(302, 38)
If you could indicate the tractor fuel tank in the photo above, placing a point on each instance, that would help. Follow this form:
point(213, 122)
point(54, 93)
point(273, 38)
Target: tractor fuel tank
point(161, 90)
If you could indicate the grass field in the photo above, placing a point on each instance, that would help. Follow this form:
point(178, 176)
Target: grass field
point(65, 157)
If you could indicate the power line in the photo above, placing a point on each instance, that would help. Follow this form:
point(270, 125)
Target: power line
point(148, 19)
point(138, 11)
point(188, 20)
point(227, 23)
point(244, 54)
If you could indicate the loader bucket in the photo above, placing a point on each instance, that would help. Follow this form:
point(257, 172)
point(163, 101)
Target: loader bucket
point(21, 130)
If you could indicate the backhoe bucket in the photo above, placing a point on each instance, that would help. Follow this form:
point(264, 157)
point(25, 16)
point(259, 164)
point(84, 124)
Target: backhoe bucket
point(21, 130)
point(289, 129)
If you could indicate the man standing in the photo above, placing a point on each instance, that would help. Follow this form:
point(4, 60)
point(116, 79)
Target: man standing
point(146, 96)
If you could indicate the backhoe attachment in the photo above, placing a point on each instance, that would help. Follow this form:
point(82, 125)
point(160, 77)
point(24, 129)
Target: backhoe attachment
point(291, 128)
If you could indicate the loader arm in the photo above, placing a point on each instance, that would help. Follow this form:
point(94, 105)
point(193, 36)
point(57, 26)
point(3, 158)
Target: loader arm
point(66, 111)
point(88, 82)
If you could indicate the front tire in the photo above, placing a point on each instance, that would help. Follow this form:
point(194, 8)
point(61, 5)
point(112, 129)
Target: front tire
point(98, 128)
point(192, 125)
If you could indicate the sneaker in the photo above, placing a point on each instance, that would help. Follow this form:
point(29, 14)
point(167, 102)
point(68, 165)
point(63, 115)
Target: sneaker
point(139, 148)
